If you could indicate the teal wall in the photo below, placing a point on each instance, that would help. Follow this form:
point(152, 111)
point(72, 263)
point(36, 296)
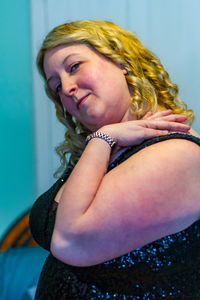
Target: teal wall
point(17, 186)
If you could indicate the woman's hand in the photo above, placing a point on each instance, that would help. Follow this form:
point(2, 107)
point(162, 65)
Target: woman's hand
point(161, 115)
point(151, 125)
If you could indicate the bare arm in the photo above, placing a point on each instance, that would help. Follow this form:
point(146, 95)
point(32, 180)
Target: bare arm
point(84, 201)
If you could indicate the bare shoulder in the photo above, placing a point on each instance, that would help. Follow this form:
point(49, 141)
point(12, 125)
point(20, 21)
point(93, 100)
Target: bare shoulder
point(152, 194)
point(172, 167)
point(173, 155)
point(182, 152)
point(159, 185)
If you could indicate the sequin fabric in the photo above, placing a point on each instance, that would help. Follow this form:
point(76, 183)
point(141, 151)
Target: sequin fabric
point(168, 268)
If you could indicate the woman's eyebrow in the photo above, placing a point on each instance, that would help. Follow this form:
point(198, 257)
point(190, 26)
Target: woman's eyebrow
point(68, 56)
point(64, 61)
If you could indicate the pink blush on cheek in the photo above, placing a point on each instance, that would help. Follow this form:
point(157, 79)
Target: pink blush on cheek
point(68, 105)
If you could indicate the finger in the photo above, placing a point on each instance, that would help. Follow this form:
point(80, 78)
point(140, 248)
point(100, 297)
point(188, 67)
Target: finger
point(147, 115)
point(166, 125)
point(172, 117)
point(150, 133)
point(162, 113)
point(179, 127)
point(175, 118)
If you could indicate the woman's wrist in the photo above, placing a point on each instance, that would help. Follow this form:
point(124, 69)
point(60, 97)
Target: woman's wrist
point(101, 135)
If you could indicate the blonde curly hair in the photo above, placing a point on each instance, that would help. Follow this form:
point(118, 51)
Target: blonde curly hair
point(148, 81)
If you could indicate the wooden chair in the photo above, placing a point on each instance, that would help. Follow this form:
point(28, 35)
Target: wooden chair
point(18, 234)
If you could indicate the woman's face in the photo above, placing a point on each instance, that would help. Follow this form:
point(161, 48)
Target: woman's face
point(91, 88)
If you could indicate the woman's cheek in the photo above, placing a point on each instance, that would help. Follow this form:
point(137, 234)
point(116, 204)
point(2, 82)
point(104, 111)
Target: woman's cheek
point(68, 105)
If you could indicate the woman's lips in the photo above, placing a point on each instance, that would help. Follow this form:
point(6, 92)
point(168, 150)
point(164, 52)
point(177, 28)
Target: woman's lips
point(80, 101)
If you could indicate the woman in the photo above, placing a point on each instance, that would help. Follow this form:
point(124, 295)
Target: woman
point(122, 221)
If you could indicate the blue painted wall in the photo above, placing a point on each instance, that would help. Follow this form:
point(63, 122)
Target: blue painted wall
point(17, 183)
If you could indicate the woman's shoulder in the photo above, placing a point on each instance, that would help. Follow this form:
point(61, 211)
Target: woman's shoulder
point(176, 153)
point(148, 195)
point(176, 143)
point(182, 149)
point(165, 171)
point(175, 139)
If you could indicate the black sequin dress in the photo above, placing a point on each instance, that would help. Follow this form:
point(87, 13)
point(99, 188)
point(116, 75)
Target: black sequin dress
point(168, 268)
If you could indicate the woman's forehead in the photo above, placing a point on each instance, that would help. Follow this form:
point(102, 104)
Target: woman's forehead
point(65, 52)
point(69, 48)
point(61, 52)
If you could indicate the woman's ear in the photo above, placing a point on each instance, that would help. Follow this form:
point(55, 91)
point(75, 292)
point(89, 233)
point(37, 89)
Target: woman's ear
point(124, 71)
point(122, 67)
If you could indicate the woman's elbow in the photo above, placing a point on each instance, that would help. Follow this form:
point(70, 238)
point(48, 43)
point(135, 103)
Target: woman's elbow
point(69, 252)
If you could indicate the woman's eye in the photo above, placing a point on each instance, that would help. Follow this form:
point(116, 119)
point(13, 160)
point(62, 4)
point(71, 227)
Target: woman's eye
point(74, 67)
point(58, 88)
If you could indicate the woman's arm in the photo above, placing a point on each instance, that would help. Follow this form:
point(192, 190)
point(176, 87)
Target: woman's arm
point(90, 208)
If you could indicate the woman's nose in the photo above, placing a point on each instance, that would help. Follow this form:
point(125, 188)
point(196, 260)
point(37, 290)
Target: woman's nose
point(69, 88)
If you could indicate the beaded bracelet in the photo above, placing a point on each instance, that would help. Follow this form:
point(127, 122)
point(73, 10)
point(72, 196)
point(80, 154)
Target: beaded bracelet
point(102, 136)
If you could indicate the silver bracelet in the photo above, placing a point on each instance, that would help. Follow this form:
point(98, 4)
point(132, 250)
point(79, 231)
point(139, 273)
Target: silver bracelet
point(102, 136)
